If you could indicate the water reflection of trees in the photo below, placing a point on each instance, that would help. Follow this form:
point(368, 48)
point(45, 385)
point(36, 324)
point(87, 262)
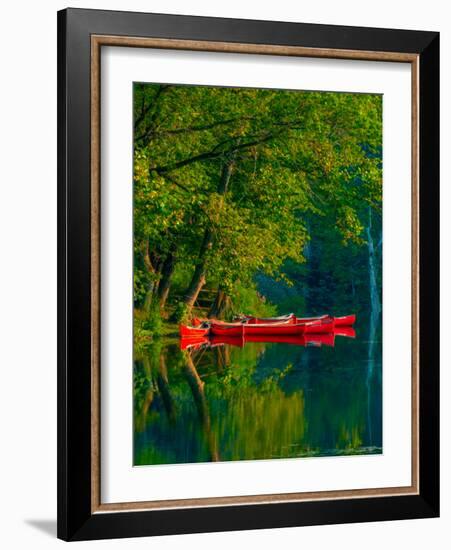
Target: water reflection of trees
point(233, 404)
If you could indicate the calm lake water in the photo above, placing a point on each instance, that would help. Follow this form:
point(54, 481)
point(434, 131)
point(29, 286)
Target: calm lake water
point(257, 400)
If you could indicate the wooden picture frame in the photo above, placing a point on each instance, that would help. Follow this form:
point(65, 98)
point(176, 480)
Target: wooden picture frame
point(81, 35)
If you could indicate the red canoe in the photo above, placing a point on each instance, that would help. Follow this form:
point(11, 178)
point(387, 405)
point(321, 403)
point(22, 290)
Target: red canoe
point(284, 327)
point(241, 329)
point(193, 332)
point(312, 319)
point(345, 321)
point(197, 321)
point(268, 320)
point(319, 327)
point(287, 325)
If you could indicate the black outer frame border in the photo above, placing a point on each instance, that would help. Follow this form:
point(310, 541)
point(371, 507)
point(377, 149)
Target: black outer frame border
point(75, 520)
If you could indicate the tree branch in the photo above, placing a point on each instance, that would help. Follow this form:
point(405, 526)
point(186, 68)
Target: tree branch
point(202, 127)
point(214, 153)
point(145, 111)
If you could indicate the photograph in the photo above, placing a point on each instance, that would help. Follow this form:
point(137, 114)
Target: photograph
point(228, 233)
point(257, 274)
point(248, 272)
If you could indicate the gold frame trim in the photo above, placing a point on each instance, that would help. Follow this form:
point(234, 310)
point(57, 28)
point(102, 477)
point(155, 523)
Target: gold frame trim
point(97, 41)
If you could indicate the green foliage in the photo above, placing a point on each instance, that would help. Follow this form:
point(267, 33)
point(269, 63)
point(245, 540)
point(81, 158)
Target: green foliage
point(142, 337)
point(257, 402)
point(301, 162)
point(181, 313)
point(248, 300)
point(292, 304)
point(141, 384)
point(153, 322)
point(140, 284)
point(146, 329)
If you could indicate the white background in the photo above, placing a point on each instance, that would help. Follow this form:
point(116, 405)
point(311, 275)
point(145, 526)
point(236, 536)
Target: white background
point(28, 274)
point(120, 482)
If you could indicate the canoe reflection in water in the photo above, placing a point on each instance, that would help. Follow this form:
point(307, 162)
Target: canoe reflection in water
point(257, 397)
point(326, 339)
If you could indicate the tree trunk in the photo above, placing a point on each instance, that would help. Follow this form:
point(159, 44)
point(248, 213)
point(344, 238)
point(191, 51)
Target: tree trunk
point(193, 291)
point(151, 271)
point(148, 298)
point(141, 415)
point(221, 305)
point(308, 258)
point(163, 386)
point(222, 357)
point(374, 293)
point(198, 391)
point(167, 271)
point(198, 278)
point(154, 265)
point(150, 111)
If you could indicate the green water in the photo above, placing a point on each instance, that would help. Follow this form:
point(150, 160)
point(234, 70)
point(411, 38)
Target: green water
point(261, 401)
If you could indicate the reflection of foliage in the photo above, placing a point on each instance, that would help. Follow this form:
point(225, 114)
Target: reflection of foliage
point(264, 423)
point(142, 387)
point(248, 403)
point(141, 383)
point(349, 439)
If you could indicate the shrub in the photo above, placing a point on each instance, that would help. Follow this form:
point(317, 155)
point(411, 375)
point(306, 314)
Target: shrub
point(180, 314)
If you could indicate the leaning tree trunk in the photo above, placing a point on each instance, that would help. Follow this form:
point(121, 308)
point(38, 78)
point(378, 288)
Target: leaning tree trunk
point(198, 390)
point(141, 415)
point(221, 305)
point(163, 387)
point(152, 276)
point(167, 271)
point(198, 278)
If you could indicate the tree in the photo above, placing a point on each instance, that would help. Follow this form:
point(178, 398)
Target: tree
point(228, 182)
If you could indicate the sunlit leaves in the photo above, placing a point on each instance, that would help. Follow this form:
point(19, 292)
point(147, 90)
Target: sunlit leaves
point(297, 154)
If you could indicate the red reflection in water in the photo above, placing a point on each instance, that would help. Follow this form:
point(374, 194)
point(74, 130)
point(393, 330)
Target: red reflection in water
point(317, 340)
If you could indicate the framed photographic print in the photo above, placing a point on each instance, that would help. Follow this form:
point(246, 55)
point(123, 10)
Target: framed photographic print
point(248, 274)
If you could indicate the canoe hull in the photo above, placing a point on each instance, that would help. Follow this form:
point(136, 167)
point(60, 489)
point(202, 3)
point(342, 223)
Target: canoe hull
point(288, 325)
point(193, 332)
point(319, 327)
point(346, 321)
point(238, 329)
point(291, 319)
point(312, 319)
